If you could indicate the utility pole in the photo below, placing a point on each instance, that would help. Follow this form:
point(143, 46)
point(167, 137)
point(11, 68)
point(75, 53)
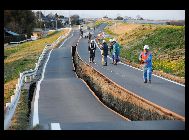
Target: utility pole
point(56, 23)
point(69, 19)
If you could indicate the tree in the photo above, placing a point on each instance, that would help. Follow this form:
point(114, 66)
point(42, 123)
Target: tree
point(20, 21)
point(56, 16)
point(39, 15)
point(74, 19)
point(119, 18)
point(138, 17)
point(61, 16)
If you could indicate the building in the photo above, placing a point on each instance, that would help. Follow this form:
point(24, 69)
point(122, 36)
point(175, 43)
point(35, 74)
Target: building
point(38, 33)
point(10, 36)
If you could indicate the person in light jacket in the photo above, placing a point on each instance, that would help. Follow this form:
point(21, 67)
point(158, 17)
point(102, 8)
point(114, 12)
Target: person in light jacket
point(104, 49)
point(145, 58)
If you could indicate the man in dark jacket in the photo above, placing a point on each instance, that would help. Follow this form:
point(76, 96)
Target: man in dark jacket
point(104, 49)
point(91, 49)
point(81, 33)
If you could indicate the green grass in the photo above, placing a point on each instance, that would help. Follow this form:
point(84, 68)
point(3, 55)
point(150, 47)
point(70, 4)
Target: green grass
point(23, 57)
point(167, 44)
point(168, 41)
point(108, 31)
point(20, 119)
point(14, 68)
point(98, 22)
point(52, 33)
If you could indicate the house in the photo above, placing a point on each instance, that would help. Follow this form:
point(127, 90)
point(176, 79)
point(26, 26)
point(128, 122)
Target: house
point(10, 36)
point(9, 33)
point(38, 33)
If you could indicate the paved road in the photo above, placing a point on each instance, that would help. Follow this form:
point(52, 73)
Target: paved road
point(161, 92)
point(65, 99)
point(118, 125)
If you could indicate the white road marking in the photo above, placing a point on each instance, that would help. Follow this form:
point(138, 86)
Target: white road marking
point(55, 126)
point(142, 70)
point(65, 40)
point(35, 112)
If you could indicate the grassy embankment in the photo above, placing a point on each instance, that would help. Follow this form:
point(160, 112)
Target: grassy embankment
point(23, 57)
point(167, 44)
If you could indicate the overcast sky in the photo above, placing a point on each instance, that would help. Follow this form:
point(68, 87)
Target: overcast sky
point(147, 14)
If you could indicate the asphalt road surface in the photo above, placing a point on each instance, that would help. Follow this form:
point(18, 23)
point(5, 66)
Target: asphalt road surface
point(66, 100)
point(162, 92)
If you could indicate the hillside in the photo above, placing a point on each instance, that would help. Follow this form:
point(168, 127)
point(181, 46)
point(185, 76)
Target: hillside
point(23, 57)
point(167, 44)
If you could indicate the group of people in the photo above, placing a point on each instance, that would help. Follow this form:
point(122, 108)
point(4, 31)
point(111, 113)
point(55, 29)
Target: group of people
point(145, 56)
point(113, 47)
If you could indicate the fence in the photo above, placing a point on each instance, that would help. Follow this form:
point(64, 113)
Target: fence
point(31, 74)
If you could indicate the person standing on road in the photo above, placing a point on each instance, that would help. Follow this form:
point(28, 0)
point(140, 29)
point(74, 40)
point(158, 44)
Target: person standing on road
point(145, 58)
point(81, 33)
point(104, 49)
point(111, 50)
point(116, 51)
point(91, 49)
point(90, 35)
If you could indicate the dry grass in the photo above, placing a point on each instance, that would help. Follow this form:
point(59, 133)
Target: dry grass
point(121, 28)
point(8, 90)
point(29, 49)
point(20, 119)
point(23, 57)
point(122, 101)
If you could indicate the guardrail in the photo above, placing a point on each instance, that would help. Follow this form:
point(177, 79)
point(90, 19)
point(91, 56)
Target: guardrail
point(20, 41)
point(11, 106)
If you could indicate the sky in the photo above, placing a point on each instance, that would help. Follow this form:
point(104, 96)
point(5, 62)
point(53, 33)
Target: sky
point(146, 14)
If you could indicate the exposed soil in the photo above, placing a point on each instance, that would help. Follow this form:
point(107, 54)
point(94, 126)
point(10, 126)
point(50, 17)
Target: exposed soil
point(119, 99)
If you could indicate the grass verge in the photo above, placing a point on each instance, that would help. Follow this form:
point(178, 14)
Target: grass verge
point(167, 44)
point(23, 57)
point(20, 120)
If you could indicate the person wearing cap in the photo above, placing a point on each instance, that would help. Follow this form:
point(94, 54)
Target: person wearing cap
point(145, 58)
point(91, 49)
point(111, 49)
point(104, 49)
point(90, 35)
point(116, 51)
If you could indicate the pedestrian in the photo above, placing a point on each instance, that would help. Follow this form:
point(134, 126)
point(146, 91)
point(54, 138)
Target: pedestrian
point(81, 33)
point(145, 58)
point(116, 51)
point(104, 49)
point(91, 49)
point(90, 35)
point(111, 50)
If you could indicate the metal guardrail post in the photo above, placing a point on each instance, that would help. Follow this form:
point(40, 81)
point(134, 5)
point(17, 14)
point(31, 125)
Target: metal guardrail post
point(31, 74)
